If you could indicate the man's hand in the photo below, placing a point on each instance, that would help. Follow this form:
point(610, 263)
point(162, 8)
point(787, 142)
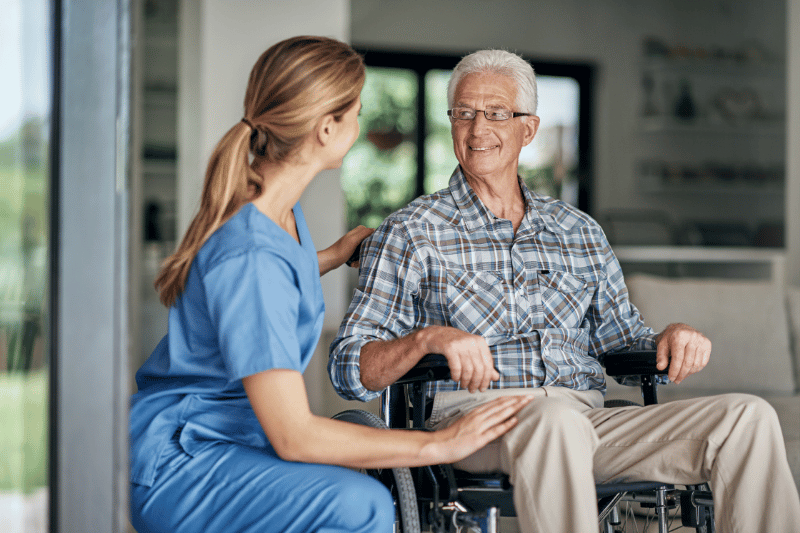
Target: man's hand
point(471, 363)
point(684, 349)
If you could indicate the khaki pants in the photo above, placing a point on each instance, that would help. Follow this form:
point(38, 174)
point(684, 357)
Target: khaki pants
point(566, 441)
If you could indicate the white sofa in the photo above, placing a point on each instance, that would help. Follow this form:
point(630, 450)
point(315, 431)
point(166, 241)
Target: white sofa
point(754, 327)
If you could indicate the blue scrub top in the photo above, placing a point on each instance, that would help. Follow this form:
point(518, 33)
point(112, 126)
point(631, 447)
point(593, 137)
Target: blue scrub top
point(252, 302)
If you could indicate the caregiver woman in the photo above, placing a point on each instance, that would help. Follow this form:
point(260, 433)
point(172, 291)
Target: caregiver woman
point(222, 437)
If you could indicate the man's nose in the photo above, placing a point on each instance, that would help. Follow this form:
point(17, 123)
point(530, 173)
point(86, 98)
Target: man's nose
point(479, 123)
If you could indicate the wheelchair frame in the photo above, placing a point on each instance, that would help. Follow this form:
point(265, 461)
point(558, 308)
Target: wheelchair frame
point(452, 500)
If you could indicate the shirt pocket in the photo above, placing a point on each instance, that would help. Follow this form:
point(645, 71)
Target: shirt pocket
point(477, 303)
point(565, 298)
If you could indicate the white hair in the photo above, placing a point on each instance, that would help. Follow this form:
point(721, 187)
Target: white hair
point(501, 62)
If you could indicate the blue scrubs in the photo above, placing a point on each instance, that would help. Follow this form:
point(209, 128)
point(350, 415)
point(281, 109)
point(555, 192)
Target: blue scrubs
point(200, 460)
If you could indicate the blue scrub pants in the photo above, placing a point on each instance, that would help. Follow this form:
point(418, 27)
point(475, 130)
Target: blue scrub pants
point(228, 487)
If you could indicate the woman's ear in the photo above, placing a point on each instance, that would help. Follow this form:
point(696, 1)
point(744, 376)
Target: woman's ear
point(325, 129)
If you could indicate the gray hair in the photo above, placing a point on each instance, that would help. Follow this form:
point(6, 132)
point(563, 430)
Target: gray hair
point(501, 62)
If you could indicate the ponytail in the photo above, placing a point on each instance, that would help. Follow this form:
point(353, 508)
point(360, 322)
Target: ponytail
point(230, 182)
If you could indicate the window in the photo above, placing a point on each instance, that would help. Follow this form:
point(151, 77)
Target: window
point(25, 119)
point(405, 149)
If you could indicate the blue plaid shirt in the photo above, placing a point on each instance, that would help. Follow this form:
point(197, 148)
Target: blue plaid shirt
point(550, 300)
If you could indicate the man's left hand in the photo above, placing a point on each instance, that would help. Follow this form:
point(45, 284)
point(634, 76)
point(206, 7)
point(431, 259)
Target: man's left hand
point(684, 349)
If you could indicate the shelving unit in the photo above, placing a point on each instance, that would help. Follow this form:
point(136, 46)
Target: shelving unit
point(711, 126)
point(153, 201)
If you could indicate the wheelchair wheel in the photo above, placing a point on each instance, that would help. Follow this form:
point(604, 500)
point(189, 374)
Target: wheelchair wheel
point(397, 480)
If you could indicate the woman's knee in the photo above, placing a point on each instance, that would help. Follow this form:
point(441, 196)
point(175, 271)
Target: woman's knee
point(364, 504)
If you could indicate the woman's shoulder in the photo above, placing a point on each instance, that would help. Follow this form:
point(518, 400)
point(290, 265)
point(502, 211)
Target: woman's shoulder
point(245, 232)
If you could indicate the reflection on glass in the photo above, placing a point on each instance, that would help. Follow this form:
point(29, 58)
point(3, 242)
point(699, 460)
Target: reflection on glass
point(24, 227)
point(379, 172)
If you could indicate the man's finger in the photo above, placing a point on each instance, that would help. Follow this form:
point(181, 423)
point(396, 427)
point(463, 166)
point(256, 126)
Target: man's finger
point(455, 368)
point(467, 371)
point(688, 367)
point(676, 356)
point(662, 355)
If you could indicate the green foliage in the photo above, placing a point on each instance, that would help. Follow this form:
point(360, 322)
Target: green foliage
point(379, 172)
point(23, 440)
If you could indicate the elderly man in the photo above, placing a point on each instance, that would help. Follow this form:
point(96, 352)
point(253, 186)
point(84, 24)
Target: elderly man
point(523, 295)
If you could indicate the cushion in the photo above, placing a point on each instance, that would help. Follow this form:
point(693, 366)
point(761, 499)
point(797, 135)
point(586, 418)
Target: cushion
point(746, 322)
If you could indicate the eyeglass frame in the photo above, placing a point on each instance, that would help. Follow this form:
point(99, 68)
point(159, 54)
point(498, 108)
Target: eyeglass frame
point(514, 114)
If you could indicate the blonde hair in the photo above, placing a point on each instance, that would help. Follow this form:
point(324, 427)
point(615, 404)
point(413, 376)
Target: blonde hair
point(292, 85)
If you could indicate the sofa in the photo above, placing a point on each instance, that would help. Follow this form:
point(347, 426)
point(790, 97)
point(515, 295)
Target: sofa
point(754, 327)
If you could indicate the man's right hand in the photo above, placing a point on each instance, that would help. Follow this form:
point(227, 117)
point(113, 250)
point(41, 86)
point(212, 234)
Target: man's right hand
point(468, 356)
point(471, 363)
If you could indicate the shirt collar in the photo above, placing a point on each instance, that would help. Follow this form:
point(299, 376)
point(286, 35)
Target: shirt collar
point(475, 213)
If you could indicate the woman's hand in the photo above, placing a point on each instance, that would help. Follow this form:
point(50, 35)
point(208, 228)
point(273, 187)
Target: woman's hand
point(335, 255)
point(478, 428)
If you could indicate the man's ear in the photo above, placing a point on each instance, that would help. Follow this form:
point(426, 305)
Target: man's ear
point(531, 127)
point(325, 129)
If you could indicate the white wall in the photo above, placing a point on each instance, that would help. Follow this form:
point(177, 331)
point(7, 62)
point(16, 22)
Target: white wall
point(219, 42)
point(607, 33)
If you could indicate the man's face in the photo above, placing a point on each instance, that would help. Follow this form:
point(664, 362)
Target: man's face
point(486, 149)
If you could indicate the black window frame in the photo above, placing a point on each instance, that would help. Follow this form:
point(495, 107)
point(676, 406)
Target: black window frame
point(420, 63)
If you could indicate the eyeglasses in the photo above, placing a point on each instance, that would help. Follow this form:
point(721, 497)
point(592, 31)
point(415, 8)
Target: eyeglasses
point(467, 113)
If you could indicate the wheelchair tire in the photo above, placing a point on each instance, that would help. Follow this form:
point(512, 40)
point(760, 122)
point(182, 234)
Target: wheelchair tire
point(397, 480)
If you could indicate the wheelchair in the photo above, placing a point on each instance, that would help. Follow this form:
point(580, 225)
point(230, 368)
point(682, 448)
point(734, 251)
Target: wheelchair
point(442, 499)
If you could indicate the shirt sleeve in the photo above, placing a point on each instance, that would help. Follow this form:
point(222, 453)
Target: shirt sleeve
point(382, 307)
point(253, 300)
point(615, 323)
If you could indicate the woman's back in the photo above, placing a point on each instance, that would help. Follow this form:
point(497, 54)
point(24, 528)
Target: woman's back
point(252, 302)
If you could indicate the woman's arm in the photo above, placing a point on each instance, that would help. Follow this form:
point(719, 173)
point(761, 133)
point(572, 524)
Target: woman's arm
point(335, 255)
point(281, 404)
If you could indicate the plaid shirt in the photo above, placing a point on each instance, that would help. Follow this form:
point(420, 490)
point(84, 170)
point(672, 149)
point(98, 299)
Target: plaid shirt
point(550, 300)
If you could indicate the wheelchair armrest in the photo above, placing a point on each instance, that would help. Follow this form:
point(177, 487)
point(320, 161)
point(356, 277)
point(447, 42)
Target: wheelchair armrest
point(639, 363)
point(432, 367)
point(632, 363)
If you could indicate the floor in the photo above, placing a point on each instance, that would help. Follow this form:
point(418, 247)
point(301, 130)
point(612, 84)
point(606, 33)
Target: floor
point(26, 513)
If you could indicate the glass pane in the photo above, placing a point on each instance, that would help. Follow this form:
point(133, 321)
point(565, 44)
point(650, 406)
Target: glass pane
point(549, 165)
point(440, 161)
point(379, 173)
point(25, 47)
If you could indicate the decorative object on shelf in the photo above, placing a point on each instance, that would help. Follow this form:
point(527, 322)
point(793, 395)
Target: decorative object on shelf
point(654, 47)
point(735, 105)
point(650, 108)
point(684, 107)
point(750, 52)
point(709, 173)
point(152, 222)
